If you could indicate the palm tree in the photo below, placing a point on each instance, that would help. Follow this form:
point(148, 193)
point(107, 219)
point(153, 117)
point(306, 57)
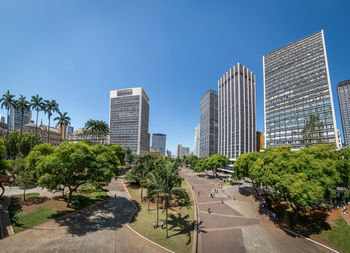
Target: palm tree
point(50, 108)
point(7, 101)
point(63, 120)
point(154, 186)
point(171, 187)
point(97, 129)
point(38, 105)
point(23, 105)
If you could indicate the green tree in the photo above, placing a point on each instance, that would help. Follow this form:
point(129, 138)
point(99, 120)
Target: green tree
point(74, 164)
point(129, 157)
point(243, 165)
point(4, 164)
point(23, 105)
point(343, 168)
point(37, 105)
point(154, 185)
point(26, 141)
point(50, 106)
point(171, 187)
point(7, 101)
point(63, 121)
point(25, 176)
point(119, 151)
point(312, 132)
point(97, 129)
point(191, 161)
point(215, 162)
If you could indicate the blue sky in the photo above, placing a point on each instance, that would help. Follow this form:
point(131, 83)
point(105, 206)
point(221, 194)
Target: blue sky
point(77, 51)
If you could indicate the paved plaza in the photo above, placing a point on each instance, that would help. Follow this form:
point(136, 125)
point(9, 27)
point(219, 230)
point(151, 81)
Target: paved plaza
point(100, 228)
point(233, 225)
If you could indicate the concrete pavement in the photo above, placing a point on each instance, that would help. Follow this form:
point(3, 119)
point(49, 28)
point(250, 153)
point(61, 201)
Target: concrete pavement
point(233, 226)
point(100, 228)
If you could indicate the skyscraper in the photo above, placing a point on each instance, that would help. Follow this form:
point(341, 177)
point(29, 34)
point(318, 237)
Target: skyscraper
point(128, 119)
point(196, 140)
point(344, 105)
point(237, 119)
point(297, 88)
point(208, 124)
point(159, 142)
point(15, 118)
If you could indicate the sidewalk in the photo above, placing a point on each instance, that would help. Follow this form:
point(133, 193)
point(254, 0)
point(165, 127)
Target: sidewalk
point(232, 226)
point(100, 228)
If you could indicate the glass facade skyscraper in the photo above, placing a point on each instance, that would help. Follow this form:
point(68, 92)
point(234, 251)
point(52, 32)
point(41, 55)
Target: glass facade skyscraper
point(208, 124)
point(344, 105)
point(15, 118)
point(128, 119)
point(237, 119)
point(159, 142)
point(296, 86)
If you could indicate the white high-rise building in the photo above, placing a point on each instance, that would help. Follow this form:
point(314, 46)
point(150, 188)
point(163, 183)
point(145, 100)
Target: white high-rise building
point(297, 89)
point(196, 141)
point(128, 119)
point(237, 119)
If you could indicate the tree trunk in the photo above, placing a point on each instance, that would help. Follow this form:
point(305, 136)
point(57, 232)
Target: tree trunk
point(141, 193)
point(166, 219)
point(148, 204)
point(256, 190)
point(3, 189)
point(48, 130)
point(24, 193)
point(7, 132)
point(157, 208)
point(69, 197)
point(20, 136)
point(36, 125)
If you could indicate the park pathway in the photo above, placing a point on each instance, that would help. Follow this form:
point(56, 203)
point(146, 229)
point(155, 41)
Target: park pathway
point(232, 226)
point(100, 228)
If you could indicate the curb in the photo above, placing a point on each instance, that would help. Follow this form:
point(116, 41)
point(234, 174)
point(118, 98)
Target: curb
point(308, 239)
point(127, 225)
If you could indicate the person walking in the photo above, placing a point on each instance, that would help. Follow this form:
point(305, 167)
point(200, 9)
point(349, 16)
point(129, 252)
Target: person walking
point(209, 210)
point(162, 224)
point(154, 224)
point(199, 194)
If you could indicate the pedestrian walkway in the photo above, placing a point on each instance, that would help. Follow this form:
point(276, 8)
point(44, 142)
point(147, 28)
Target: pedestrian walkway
point(232, 225)
point(100, 228)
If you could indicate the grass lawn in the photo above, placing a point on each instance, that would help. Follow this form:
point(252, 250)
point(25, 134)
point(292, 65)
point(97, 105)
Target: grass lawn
point(338, 236)
point(180, 223)
point(37, 210)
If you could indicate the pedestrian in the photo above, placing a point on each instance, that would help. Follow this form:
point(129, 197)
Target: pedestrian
point(154, 224)
point(199, 194)
point(234, 198)
point(209, 210)
point(115, 196)
point(222, 201)
point(162, 224)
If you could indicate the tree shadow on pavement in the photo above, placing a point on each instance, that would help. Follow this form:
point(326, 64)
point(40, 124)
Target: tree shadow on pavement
point(181, 225)
point(110, 214)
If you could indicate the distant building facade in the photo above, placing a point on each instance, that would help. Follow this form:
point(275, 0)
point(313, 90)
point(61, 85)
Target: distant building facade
point(128, 119)
point(344, 105)
point(159, 142)
point(42, 133)
point(237, 117)
point(15, 118)
point(196, 148)
point(260, 141)
point(208, 124)
point(296, 86)
point(182, 151)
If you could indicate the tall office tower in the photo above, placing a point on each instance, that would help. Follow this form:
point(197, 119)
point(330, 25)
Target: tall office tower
point(181, 151)
point(15, 118)
point(159, 142)
point(209, 124)
point(237, 127)
point(344, 104)
point(296, 87)
point(128, 119)
point(196, 140)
